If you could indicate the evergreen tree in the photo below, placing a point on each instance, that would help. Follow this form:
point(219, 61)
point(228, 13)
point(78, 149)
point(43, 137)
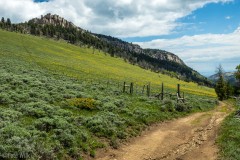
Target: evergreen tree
point(2, 20)
point(2, 23)
point(220, 87)
point(229, 90)
point(33, 30)
point(237, 74)
point(9, 23)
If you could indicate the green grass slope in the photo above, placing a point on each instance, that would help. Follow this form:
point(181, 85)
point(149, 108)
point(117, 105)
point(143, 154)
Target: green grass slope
point(229, 136)
point(59, 101)
point(62, 58)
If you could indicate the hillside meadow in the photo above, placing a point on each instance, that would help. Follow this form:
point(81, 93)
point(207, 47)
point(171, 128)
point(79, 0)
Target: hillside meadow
point(229, 135)
point(60, 101)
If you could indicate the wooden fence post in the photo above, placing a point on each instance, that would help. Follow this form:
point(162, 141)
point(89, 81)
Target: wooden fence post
point(148, 90)
point(124, 87)
point(143, 89)
point(162, 92)
point(178, 90)
point(183, 98)
point(131, 88)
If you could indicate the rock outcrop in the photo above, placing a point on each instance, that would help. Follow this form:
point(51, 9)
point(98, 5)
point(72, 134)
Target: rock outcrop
point(53, 20)
point(154, 53)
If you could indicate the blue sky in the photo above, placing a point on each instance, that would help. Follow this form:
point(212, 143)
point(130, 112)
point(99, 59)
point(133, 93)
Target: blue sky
point(39, 1)
point(204, 33)
point(215, 18)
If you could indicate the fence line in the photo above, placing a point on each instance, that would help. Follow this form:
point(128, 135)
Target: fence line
point(133, 88)
point(159, 95)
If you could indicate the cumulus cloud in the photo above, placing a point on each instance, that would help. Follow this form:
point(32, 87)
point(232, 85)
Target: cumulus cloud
point(203, 52)
point(122, 18)
point(228, 17)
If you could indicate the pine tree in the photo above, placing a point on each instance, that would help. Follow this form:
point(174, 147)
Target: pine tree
point(2, 20)
point(220, 87)
point(2, 23)
point(9, 23)
point(229, 90)
point(237, 74)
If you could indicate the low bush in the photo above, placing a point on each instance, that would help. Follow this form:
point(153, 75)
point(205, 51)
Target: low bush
point(141, 115)
point(16, 142)
point(105, 124)
point(83, 103)
point(120, 103)
point(4, 98)
point(109, 106)
point(114, 143)
point(37, 109)
point(9, 115)
point(182, 107)
point(168, 105)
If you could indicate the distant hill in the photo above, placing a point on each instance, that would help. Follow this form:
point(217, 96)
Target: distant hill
point(56, 27)
point(229, 76)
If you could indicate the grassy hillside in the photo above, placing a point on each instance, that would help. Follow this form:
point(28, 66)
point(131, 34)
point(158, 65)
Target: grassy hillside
point(62, 58)
point(56, 102)
point(229, 136)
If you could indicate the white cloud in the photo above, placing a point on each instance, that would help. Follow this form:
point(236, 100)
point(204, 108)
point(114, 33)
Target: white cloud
point(228, 17)
point(123, 18)
point(203, 52)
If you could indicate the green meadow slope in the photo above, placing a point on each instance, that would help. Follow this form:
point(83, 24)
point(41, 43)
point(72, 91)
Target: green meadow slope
point(62, 101)
point(81, 63)
point(229, 136)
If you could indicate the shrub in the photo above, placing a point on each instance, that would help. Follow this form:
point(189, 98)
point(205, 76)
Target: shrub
point(92, 153)
point(105, 124)
point(67, 139)
point(47, 148)
point(168, 105)
point(143, 99)
point(42, 109)
point(4, 98)
point(142, 115)
point(109, 106)
point(15, 142)
point(83, 103)
point(54, 122)
point(38, 109)
point(9, 115)
point(120, 103)
point(45, 124)
point(182, 107)
point(114, 143)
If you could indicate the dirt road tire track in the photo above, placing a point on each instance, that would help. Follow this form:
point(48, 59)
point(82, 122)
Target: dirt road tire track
point(188, 138)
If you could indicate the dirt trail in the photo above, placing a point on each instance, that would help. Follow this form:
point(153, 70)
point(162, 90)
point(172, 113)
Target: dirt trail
point(189, 138)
